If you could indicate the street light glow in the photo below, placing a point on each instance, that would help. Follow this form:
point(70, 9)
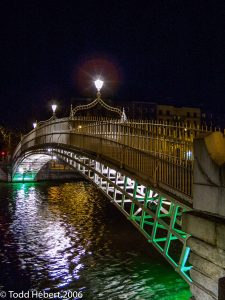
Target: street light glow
point(98, 84)
point(35, 124)
point(54, 106)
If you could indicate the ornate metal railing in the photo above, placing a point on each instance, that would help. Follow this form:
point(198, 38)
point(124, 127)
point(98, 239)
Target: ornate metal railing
point(159, 153)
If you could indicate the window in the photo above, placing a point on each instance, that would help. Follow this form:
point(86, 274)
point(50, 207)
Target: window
point(188, 114)
point(168, 113)
point(195, 115)
point(160, 112)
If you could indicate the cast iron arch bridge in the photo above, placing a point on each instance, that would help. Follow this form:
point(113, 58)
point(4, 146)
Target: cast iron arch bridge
point(144, 168)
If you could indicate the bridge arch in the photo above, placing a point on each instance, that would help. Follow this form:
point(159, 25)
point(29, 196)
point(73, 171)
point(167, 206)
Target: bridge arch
point(155, 215)
point(29, 164)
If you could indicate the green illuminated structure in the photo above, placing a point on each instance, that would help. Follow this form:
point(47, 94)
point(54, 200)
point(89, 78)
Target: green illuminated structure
point(157, 216)
point(24, 177)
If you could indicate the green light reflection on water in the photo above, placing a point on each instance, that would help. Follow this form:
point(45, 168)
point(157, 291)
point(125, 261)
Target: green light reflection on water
point(29, 176)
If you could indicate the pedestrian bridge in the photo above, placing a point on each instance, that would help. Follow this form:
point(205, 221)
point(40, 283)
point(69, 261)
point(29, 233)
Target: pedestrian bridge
point(145, 168)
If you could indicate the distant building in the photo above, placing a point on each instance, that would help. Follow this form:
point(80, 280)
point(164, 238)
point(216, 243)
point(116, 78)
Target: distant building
point(187, 115)
point(166, 113)
point(213, 120)
point(139, 110)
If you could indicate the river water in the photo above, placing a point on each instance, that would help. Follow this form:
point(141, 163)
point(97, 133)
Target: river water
point(69, 240)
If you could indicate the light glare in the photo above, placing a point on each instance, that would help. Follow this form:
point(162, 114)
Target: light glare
point(54, 106)
point(98, 84)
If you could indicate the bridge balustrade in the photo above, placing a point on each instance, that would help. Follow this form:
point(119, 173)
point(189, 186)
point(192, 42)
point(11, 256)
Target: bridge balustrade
point(160, 153)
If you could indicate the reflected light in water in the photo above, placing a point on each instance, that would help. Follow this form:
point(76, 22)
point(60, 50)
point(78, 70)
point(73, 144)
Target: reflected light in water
point(67, 236)
point(51, 241)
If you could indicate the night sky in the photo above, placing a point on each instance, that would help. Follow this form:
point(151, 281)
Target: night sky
point(156, 51)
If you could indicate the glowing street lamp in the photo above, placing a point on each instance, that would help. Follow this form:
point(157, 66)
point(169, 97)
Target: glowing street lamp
point(35, 125)
point(98, 84)
point(54, 106)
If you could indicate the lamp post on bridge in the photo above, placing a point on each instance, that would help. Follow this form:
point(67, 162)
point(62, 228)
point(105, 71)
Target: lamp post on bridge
point(36, 124)
point(54, 107)
point(98, 84)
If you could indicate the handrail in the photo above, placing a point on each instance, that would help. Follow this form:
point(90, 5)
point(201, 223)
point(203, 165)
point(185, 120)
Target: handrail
point(113, 129)
point(165, 148)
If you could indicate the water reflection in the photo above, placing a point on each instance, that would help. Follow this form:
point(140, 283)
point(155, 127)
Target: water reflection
point(67, 236)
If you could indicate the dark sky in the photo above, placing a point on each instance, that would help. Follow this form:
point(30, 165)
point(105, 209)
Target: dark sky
point(159, 51)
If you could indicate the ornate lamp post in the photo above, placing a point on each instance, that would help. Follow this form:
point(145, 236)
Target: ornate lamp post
point(98, 84)
point(54, 107)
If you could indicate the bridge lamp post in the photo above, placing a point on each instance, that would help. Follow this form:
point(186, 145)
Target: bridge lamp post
point(35, 125)
point(98, 85)
point(54, 106)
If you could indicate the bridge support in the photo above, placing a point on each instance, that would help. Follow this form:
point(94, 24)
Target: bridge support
point(206, 223)
point(5, 172)
point(155, 215)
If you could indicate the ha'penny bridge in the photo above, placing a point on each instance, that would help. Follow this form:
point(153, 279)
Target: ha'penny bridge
point(145, 168)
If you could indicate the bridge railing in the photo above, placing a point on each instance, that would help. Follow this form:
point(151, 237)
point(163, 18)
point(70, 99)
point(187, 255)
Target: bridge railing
point(160, 153)
point(153, 138)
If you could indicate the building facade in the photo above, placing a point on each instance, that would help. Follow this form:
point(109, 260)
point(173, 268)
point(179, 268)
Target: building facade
point(186, 115)
point(139, 110)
